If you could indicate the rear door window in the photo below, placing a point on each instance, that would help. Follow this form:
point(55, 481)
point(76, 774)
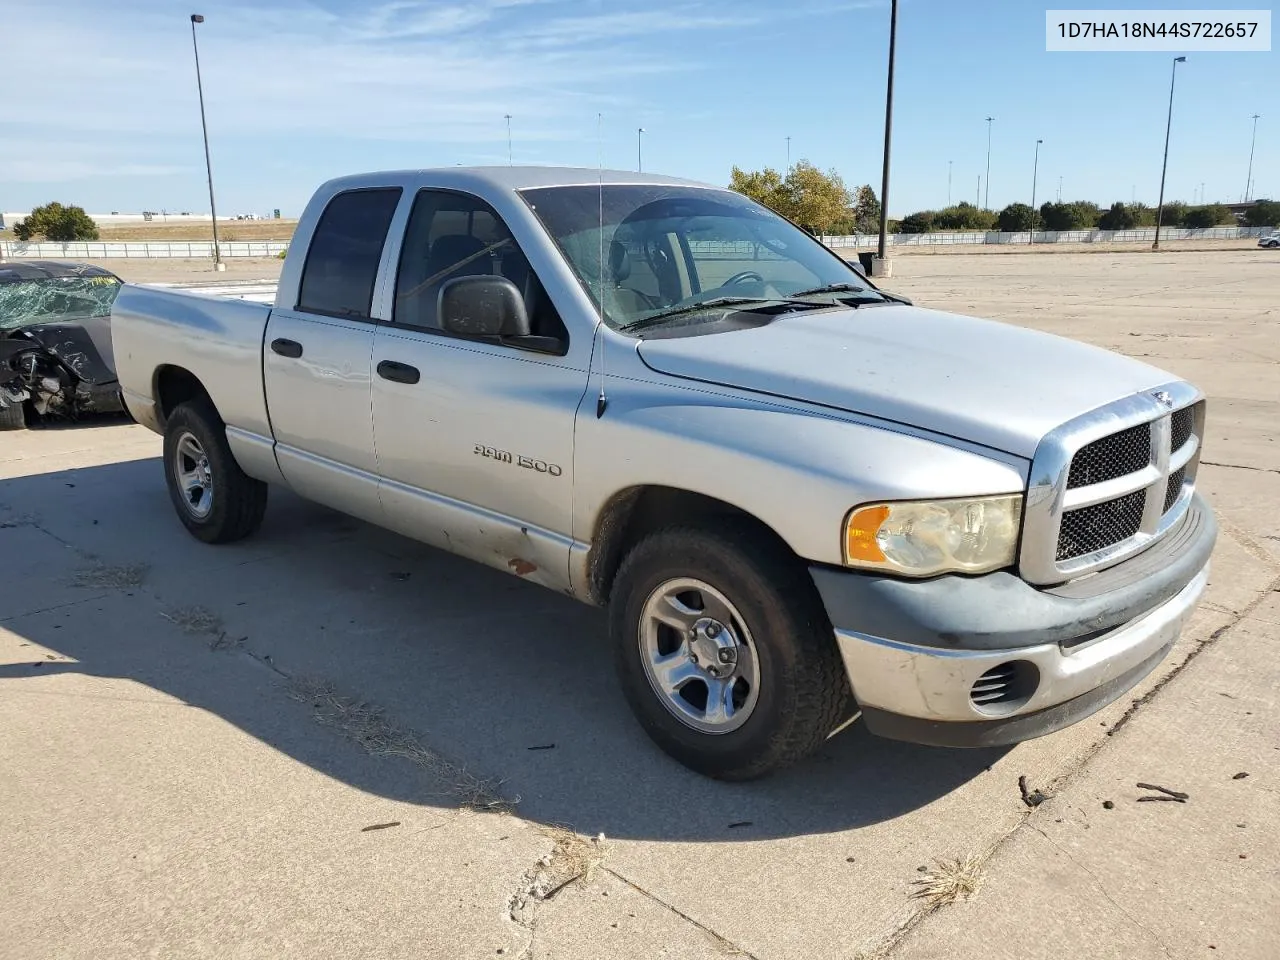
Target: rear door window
point(342, 261)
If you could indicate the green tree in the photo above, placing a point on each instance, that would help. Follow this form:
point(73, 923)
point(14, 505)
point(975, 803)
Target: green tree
point(1080, 215)
point(964, 216)
point(763, 186)
point(1119, 217)
point(1144, 216)
point(816, 200)
point(1016, 217)
point(919, 222)
point(1209, 215)
point(1174, 212)
point(1264, 213)
point(55, 222)
point(866, 210)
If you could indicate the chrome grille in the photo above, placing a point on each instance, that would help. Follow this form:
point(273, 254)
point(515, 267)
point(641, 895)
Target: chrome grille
point(1110, 483)
point(1181, 426)
point(1101, 525)
point(1115, 456)
point(1174, 489)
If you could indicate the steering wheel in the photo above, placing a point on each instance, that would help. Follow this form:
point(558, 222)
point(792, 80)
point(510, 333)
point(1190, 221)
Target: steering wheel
point(744, 276)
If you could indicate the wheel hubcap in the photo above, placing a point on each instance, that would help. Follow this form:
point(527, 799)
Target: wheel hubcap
point(194, 478)
point(699, 656)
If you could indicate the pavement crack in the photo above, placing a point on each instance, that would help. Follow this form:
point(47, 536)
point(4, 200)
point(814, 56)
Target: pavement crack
point(724, 943)
point(1238, 466)
point(1103, 890)
point(56, 606)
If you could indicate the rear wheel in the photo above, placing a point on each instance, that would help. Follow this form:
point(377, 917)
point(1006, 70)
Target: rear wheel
point(724, 651)
point(215, 500)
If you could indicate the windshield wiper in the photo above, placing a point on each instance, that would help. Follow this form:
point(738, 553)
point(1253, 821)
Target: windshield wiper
point(710, 303)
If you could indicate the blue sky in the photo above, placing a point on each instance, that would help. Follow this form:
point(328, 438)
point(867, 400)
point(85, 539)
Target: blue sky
point(100, 103)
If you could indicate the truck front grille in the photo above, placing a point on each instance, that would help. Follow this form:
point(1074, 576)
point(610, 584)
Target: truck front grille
point(1115, 456)
point(1094, 500)
point(1102, 525)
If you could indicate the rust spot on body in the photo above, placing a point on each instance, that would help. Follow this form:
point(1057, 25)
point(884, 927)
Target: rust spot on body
point(521, 568)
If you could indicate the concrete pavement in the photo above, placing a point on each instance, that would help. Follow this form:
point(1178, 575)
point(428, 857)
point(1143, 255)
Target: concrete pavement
point(195, 739)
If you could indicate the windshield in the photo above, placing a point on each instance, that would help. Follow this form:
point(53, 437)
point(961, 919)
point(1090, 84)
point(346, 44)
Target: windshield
point(55, 299)
point(670, 248)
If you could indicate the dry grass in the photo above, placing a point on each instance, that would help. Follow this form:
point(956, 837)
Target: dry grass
point(194, 619)
point(115, 578)
point(197, 230)
point(948, 881)
point(368, 726)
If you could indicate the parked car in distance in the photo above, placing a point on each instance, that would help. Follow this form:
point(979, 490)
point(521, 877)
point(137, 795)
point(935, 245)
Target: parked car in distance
point(1271, 240)
point(798, 496)
point(55, 341)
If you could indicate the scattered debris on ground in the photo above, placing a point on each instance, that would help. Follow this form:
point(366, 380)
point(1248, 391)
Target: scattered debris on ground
point(223, 642)
point(1176, 795)
point(1240, 776)
point(1108, 805)
point(1032, 798)
point(116, 578)
point(740, 823)
point(194, 619)
point(542, 746)
point(379, 826)
point(368, 725)
point(948, 881)
point(573, 858)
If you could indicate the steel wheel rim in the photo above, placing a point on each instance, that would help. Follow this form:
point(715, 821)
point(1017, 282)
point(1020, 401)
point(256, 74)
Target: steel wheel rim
point(699, 656)
point(192, 473)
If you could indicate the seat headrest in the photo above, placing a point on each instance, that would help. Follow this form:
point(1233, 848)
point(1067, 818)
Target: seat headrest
point(619, 261)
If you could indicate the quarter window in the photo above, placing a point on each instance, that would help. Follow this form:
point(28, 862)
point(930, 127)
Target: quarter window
point(342, 261)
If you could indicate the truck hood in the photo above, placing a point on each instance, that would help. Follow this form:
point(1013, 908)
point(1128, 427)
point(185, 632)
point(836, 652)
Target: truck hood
point(989, 383)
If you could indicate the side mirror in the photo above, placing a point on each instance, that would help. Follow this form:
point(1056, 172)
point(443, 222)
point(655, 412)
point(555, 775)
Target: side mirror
point(482, 306)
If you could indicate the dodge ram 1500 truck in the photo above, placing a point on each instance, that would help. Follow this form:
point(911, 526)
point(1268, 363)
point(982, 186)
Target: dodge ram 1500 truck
point(799, 497)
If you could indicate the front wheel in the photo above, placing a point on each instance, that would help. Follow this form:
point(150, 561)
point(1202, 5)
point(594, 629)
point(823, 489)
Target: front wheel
point(215, 500)
point(724, 651)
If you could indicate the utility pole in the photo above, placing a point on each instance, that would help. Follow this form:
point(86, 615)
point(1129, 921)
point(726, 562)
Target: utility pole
point(1059, 189)
point(949, 162)
point(507, 117)
point(1165, 167)
point(788, 153)
point(987, 204)
point(1248, 181)
point(639, 161)
point(888, 131)
point(208, 164)
point(1035, 169)
point(977, 194)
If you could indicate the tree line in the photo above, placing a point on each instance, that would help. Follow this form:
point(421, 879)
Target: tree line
point(821, 203)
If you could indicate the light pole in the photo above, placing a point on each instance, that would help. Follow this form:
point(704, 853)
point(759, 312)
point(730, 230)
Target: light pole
point(888, 131)
point(208, 164)
point(987, 203)
point(1059, 189)
point(507, 117)
point(1165, 167)
point(949, 162)
point(1248, 181)
point(1035, 169)
point(788, 153)
point(639, 163)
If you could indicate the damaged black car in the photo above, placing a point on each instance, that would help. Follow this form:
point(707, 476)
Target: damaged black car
point(55, 342)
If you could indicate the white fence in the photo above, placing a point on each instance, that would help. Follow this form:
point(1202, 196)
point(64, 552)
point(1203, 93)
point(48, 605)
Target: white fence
point(1140, 235)
point(108, 249)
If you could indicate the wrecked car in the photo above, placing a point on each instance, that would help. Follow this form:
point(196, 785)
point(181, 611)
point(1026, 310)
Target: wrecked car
point(55, 341)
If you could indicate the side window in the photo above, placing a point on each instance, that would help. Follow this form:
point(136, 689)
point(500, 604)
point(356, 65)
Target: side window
point(453, 235)
point(342, 261)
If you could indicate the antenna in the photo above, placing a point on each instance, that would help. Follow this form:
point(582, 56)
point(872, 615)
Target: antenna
point(601, 401)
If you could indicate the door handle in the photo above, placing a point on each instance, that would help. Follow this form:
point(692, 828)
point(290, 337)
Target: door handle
point(286, 348)
point(398, 372)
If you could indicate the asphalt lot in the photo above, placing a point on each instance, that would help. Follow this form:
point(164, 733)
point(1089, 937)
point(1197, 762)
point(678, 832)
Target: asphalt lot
point(196, 741)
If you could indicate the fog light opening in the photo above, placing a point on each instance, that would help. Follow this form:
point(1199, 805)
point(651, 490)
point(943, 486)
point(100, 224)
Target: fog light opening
point(1004, 689)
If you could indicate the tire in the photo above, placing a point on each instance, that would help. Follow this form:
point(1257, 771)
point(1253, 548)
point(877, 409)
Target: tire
point(781, 642)
point(215, 500)
point(12, 417)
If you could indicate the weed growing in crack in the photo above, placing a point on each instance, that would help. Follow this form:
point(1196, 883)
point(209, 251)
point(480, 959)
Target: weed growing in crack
point(948, 881)
point(194, 619)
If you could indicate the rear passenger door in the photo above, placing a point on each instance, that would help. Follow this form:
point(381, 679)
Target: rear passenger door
point(316, 357)
point(476, 453)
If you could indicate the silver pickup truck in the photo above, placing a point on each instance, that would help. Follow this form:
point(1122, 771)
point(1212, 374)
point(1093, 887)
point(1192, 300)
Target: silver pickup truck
point(798, 496)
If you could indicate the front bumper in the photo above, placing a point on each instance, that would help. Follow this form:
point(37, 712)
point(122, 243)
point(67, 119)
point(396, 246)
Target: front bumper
point(914, 650)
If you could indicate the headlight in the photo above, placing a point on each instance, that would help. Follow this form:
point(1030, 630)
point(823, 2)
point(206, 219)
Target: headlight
point(922, 538)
